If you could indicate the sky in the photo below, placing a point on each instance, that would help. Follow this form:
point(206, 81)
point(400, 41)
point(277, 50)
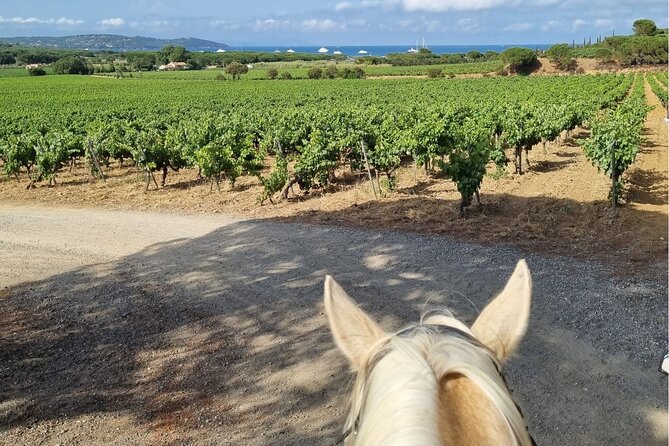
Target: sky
point(337, 22)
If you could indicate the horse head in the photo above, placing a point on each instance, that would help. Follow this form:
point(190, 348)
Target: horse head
point(437, 382)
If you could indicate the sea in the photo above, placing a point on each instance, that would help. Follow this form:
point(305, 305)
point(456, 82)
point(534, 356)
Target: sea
point(382, 50)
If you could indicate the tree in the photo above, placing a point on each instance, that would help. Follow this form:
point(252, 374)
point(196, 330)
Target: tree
point(315, 73)
point(474, 55)
point(36, 72)
point(171, 53)
point(638, 50)
point(490, 55)
point(518, 59)
point(561, 56)
point(236, 69)
point(331, 72)
point(7, 59)
point(644, 27)
point(272, 73)
point(72, 65)
point(141, 61)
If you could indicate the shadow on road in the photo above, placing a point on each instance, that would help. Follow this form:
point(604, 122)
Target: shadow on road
point(222, 339)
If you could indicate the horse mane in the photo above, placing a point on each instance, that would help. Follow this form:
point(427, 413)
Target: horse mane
point(422, 354)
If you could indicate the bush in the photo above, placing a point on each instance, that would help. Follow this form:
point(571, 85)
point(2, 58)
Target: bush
point(519, 59)
point(561, 56)
point(644, 27)
point(474, 55)
point(72, 65)
point(36, 72)
point(331, 72)
point(236, 69)
point(315, 73)
point(7, 59)
point(286, 75)
point(491, 55)
point(272, 73)
point(434, 73)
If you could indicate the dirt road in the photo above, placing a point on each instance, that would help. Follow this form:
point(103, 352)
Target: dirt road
point(131, 328)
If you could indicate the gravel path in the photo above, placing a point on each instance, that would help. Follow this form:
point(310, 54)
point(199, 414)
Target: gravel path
point(135, 328)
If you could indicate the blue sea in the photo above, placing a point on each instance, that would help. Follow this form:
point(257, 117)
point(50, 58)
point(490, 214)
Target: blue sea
point(382, 50)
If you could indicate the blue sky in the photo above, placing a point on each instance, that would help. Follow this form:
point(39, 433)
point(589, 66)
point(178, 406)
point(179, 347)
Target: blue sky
point(337, 22)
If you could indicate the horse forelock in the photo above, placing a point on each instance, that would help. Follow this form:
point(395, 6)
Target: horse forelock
point(400, 385)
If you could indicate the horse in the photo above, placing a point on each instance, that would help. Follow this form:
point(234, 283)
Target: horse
point(435, 383)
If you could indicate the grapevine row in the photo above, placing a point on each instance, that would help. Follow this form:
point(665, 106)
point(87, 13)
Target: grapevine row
point(312, 140)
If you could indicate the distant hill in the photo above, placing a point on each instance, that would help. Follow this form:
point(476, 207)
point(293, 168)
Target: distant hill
point(112, 42)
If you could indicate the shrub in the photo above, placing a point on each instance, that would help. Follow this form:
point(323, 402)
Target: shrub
point(236, 69)
point(286, 75)
point(72, 65)
point(561, 56)
point(518, 59)
point(272, 73)
point(36, 72)
point(315, 73)
point(434, 73)
point(644, 27)
point(331, 72)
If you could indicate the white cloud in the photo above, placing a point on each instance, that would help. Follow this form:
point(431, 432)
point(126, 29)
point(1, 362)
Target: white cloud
point(578, 23)
point(450, 5)
point(154, 24)
point(159, 24)
point(225, 24)
point(116, 21)
point(551, 24)
point(343, 6)
point(63, 21)
point(325, 25)
point(443, 5)
point(518, 27)
point(270, 24)
point(603, 23)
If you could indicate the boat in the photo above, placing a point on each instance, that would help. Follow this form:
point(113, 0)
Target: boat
point(277, 51)
point(414, 50)
point(323, 50)
point(362, 52)
point(220, 50)
point(337, 53)
point(290, 50)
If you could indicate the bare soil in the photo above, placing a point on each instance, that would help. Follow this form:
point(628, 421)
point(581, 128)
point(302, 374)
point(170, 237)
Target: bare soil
point(139, 328)
point(559, 206)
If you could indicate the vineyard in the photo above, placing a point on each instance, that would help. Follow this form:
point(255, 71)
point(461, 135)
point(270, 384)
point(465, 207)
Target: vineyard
point(403, 153)
point(310, 128)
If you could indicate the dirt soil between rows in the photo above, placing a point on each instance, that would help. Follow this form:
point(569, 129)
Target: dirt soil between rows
point(559, 206)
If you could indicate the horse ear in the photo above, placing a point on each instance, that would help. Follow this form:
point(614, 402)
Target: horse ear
point(354, 332)
point(503, 322)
